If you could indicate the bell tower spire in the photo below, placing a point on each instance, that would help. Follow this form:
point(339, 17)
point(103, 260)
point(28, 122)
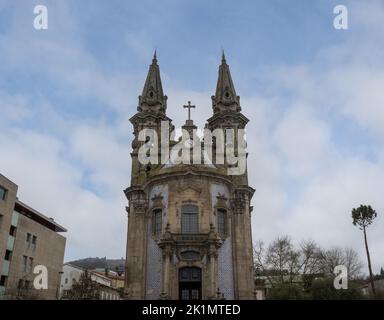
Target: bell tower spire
point(153, 98)
point(225, 97)
point(151, 112)
point(227, 112)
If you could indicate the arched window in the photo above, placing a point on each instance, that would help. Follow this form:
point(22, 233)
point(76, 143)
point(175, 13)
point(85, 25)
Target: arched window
point(189, 219)
point(221, 222)
point(157, 221)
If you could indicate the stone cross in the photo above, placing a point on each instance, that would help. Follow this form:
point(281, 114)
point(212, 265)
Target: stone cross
point(189, 106)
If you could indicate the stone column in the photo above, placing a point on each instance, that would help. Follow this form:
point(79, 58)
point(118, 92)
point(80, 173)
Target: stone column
point(212, 255)
point(167, 256)
point(214, 243)
point(242, 245)
point(136, 248)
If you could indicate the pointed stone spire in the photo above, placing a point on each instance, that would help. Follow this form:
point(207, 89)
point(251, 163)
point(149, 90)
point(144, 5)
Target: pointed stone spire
point(225, 90)
point(223, 57)
point(153, 94)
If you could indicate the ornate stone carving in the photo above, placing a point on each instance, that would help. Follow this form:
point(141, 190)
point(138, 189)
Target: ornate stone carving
point(221, 201)
point(139, 206)
point(157, 201)
point(238, 202)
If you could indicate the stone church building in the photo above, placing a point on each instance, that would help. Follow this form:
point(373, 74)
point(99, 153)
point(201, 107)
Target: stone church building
point(189, 225)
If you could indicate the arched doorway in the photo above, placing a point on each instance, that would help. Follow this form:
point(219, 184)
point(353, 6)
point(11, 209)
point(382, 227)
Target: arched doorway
point(190, 283)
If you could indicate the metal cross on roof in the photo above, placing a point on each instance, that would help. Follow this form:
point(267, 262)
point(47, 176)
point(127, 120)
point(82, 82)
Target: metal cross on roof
point(189, 106)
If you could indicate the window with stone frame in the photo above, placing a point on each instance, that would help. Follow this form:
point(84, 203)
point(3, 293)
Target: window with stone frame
point(222, 222)
point(189, 218)
point(157, 222)
point(3, 193)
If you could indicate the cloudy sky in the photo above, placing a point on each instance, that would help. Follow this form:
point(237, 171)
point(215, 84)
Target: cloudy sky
point(314, 96)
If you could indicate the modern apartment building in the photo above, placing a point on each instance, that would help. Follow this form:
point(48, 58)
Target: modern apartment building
point(27, 239)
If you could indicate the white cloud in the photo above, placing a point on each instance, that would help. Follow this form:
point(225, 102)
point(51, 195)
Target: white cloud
point(343, 83)
point(50, 183)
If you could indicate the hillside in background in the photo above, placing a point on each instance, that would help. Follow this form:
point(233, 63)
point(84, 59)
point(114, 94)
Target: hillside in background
point(97, 263)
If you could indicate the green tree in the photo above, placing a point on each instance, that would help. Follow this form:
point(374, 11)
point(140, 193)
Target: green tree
point(84, 289)
point(286, 291)
point(362, 217)
point(323, 289)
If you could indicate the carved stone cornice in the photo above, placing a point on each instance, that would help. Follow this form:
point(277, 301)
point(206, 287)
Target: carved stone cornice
point(181, 173)
point(135, 193)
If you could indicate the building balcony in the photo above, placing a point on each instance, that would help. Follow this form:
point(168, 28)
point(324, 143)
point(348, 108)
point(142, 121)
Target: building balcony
point(190, 237)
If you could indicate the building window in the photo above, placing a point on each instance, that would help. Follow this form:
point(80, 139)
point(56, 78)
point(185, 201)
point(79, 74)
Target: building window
point(29, 236)
point(221, 222)
point(27, 285)
point(3, 193)
point(8, 255)
point(30, 264)
point(229, 137)
point(24, 284)
point(3, 281)
point(66, 280)
point(195, 294)
point(185, 294)
point(189, 219)
point(31, 241)
point(25, 264)
point(12, 231)
point(34, 240)
point(157, 221)
point(20, 285)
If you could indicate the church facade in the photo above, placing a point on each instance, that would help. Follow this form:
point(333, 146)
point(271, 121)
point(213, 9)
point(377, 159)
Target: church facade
point(189, 224)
